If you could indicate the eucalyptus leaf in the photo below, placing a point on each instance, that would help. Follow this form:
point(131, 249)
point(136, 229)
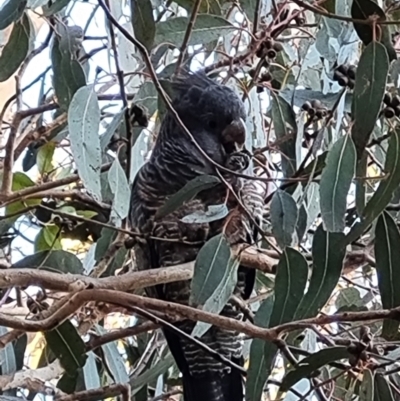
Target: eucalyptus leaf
point(187, 193)
point(369, 89)
point(143, 23)
point(384, 193)
point(328, 251)
point(84, 122)
point(16, 49)
point(11, 11)
point(286, 131)
point(387, 254)
point(284, 216)
point(68, 346)
point(206, 29)
point(335, 183)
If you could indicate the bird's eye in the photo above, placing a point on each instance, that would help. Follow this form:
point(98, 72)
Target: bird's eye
point(212, 124)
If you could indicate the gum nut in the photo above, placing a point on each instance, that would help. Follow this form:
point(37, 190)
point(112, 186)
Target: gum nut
point(389, 112)
point(387, 99)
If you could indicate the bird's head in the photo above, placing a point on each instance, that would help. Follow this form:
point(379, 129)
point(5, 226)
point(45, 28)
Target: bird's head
point(208, 108)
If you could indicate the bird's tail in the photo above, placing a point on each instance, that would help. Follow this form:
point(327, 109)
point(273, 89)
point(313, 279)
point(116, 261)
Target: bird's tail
point(213, 387)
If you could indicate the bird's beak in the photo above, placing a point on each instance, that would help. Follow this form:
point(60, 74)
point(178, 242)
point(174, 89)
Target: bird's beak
point(234, 136)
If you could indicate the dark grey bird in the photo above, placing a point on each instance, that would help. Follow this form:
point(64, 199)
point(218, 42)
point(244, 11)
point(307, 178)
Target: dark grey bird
point(214, 115)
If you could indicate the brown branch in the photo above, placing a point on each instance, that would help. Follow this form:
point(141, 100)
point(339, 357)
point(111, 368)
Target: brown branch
point(98, 341)
point(6, 186)
point(132, 302)
point(128, 282)
point(98, 393)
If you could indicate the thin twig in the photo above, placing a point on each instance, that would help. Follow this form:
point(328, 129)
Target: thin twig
point(189, 29)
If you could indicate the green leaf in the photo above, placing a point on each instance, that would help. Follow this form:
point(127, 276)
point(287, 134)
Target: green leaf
point(58, 261)
point(147, 96)
point(262, 355)
point(290, 283)
point(48, 238)
point(367, 386)
point(335, 183)
point(7, 357)
point(285, 131)
point(383, 392)
point(115, 123)
point(328, 252)
point(312, 363)
point(284, 216)
point(20, 181)
point(120, 189)
point(67, 384)
point(369, 90)
point(384, 193)
point(68, 74)
point(387, 253)
point(363, 9)
point(213, 213)
point(151, 374)
point(44, 158)
point(214, 279)
point(143, 23)
point(16, 49)
point(84, 122)
point(68, 346)
point(361, 185)
point(90, 373)
point(187, 193)
point(11, 11)
point(114, 360)
point(206, 29)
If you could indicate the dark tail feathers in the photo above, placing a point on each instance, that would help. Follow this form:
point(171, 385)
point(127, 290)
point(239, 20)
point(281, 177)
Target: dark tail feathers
point(213, 387)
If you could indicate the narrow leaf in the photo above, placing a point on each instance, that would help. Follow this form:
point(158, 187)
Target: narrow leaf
point(206, 29)
point(7, 356)
point(213, 212)
point(68, 346)
point(90, 373)
point(367, 386)
point(387, 253)
point(369, 90)
point(68, 74)
point(290, 283)
point(16, 49)
point(328, 252)
point(284, 216)
point(120, 189)
point(214, 275)
point(335, 183)
point(11, 11)
point(383, 392)
point(187, 193)
point(312, 363)
point(84, 122)
point(58, 261)
point(114, 360)
point(384, 193)
point(44, 158)
point(285, 131)
point(262, 355)
point(143, 23)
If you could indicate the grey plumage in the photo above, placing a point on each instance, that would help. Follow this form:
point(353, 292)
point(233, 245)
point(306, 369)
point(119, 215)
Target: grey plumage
point(213, 114)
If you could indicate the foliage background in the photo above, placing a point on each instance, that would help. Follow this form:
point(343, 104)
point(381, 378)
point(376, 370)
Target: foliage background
point(74, 74)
